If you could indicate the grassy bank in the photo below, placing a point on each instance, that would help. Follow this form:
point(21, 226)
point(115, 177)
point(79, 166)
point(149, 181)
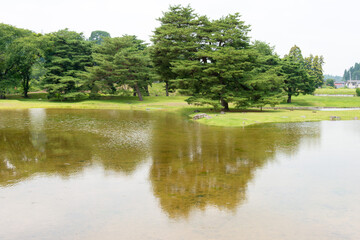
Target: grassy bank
point(178, 104)
point(340, 91)
point(318, 101)
point(239, 119)
point(106, 102)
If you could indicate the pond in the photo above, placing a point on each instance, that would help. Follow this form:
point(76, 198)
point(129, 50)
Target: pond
point(109, 174)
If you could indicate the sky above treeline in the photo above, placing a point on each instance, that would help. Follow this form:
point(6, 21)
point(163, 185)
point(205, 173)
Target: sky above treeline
point(318, 27)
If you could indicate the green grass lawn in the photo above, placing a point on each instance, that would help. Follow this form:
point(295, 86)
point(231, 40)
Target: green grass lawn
point(318, 101)
point(177, 104)
point(239, 119)
point(107, 102)
point(340, 91)
point(158, 89)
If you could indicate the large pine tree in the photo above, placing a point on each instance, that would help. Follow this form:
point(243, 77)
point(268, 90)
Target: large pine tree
point(121, 61)
point(66, 57)
point(175, 39)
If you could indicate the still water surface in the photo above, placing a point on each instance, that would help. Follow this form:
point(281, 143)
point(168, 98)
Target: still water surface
point(109, 174)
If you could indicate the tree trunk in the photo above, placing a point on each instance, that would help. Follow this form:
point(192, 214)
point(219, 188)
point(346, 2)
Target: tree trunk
point(167, 88)
point(113, 89)
point(289, 98)
point(26, 86)
point(2, 92)
point(138, 92)
point(225, 104)
point(147, 90)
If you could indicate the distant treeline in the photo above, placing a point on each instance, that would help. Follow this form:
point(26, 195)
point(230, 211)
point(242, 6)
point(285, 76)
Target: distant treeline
point(353, 72)
point(335, 78)
point(213, 62)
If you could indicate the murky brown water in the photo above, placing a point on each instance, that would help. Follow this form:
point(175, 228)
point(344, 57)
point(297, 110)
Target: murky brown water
point(96, 174)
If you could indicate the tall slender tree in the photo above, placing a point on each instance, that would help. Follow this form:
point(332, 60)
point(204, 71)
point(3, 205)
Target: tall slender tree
point(296, 78)
point(314, 66)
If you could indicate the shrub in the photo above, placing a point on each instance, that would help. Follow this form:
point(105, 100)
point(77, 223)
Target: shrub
point(358, 92)
point(74, 96)
point(94, 96)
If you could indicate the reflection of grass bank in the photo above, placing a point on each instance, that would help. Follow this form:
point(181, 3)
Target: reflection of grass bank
point(177, 104)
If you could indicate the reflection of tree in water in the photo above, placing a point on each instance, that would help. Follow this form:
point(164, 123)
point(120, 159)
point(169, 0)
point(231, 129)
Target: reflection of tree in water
point(193, 167)
point(65, 142)
point(128, 140)
point(62, 154)
point(196, 166)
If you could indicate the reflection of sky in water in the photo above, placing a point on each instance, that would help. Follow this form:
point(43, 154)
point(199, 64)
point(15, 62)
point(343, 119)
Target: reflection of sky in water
point(37, 128)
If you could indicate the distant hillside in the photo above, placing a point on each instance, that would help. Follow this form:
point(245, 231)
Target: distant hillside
point(354, 72)
point(336, 78)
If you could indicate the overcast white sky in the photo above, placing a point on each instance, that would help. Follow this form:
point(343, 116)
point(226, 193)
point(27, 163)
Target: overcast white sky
point(320, 27)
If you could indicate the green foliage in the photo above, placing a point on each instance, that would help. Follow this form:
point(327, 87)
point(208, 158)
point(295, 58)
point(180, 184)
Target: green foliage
point(133, 63)
point(336, 78)
point(99, 36)
point(213, 60)
point(67, 54)
point(225, 68)
point(218, 69)
point(94, 96)
point(296, 78)
point(353, 72)
point(197, 101)
point(38, 73)
point(301, 75)
point(265, 85)
point(264, 48)
point(158, 89)
point(296, 55)
point(9, 38)
point(330, 82)
point(358, 92)
point(26, 52)
point(120, 62)
point(313, 65)
point(174, 40)
point(74, 96)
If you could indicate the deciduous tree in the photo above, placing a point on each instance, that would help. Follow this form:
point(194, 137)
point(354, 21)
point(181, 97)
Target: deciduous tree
point(8, 74)
point(25, 52)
